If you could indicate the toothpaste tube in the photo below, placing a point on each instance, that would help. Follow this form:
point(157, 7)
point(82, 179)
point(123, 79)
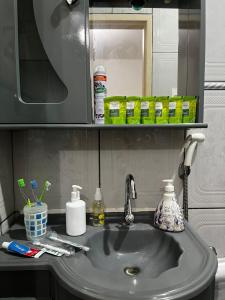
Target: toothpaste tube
point(22, 250)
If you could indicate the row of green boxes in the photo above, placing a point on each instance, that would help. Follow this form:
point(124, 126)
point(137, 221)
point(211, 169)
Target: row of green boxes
point(150, 110)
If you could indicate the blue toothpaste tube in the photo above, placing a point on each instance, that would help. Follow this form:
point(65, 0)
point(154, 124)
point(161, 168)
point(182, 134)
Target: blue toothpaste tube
point(22, 250)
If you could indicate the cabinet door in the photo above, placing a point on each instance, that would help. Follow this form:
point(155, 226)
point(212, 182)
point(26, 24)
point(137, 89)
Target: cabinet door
point(44, 63)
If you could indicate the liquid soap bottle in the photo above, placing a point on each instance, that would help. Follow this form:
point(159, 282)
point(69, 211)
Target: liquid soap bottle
point(168, 215)
point(76, 213)
point(98, 209)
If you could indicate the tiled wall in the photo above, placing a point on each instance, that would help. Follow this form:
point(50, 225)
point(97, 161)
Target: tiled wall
point(6, 180)
point(67, 157)
point(207, 181)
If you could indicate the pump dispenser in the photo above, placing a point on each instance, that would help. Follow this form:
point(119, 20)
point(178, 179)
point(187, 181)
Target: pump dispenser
point(76, 213)
point(168, 215)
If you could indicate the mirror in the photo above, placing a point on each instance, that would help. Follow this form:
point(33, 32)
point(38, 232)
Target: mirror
point(139, 49)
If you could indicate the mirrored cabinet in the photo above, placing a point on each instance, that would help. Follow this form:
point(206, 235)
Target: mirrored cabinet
point(49, 50)
point(44, 64)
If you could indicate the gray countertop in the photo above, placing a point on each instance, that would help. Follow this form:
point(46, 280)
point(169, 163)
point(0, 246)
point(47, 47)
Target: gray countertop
point(195, 271)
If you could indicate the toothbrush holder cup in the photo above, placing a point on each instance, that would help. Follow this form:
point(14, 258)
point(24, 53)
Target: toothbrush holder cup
point(35, 220)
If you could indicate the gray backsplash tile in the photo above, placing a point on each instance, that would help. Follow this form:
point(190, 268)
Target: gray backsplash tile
point(64, 157)
point(6, 175)
point(150, 155)
point(67, 157)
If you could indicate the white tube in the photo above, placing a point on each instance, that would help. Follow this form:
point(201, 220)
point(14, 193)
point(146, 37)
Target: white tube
point(55, 238)
point(50, 247)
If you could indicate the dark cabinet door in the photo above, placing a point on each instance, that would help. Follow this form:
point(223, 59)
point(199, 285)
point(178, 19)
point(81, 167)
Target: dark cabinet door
point(44, 62)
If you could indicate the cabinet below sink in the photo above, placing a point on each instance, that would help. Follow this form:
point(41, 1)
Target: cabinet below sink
point(42, 285)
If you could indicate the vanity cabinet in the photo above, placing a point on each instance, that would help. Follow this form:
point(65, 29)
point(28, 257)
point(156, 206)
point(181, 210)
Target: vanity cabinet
point(44, 64)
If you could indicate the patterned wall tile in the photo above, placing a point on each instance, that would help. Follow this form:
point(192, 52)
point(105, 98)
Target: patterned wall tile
point(150, 155)
point(210, 224)
point(64, 157)
point(207, 180)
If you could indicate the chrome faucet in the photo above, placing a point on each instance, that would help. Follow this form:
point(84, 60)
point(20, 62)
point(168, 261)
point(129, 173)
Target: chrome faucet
point(130, 194)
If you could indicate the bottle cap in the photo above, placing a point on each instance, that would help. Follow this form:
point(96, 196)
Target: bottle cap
point(100, 69)
point(98, 194)
point(5, 245)
point(169, 187)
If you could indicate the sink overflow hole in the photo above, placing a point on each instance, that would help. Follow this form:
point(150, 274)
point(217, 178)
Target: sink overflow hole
point(132, 271)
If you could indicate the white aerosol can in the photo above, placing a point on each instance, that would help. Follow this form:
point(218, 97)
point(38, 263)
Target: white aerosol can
point(100, 92)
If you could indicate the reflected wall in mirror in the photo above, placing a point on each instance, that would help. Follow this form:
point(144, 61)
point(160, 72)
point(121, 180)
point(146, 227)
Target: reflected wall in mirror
point(139, 50)
point(122, 43)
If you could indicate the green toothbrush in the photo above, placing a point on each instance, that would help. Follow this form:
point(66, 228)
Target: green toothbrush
point(22, 185)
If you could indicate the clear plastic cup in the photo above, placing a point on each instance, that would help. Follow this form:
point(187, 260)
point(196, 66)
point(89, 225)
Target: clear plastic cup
point(35, 220)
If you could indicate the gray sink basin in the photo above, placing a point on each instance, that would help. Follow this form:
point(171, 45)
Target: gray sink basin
point(138, 262)
point(139, 253)
point(142, 262)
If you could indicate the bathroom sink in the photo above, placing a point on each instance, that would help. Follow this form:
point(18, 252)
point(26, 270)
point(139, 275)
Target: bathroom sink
point(137, 262)
point(142, 262)
point(145, 253)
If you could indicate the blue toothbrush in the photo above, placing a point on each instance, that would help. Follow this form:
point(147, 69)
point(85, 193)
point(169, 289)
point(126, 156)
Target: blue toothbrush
point(34, 187)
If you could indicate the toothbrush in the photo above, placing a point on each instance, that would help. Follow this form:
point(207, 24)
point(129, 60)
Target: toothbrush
point(34, 186)
point(22, 185)
point(50, 247)
point(46, 188)
point(54, 237)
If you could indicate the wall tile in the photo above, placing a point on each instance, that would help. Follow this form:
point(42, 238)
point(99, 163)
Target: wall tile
point(207, 180)
point(150, 155)
point(6, 176)
point(165, 30)
point(64, 157)
point(215, 42)
point(164, 64)
point(210, 224)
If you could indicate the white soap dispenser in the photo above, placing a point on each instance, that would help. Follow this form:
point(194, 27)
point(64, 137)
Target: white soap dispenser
point(76, 213)
point(168, 215)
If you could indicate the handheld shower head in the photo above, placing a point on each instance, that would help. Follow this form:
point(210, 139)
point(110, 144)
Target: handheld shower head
point(194, 139)
point(196, 136)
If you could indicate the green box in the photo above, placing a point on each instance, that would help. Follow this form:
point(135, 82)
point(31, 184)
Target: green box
point(175, 109)
point(161, 110)
point(189, 109)
point(115, 110)
point(148, 110)
point(133, 110)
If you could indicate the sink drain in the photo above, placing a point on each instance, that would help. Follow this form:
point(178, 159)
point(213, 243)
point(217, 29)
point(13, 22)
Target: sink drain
point(132, 271)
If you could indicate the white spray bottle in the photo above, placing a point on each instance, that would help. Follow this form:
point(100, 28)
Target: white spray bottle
point(76, 213)
point(169, 215)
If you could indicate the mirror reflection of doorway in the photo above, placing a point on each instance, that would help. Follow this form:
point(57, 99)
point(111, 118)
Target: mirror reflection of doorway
point(123, 45)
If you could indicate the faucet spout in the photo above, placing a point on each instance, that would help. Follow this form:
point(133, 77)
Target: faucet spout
point(130, 194)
